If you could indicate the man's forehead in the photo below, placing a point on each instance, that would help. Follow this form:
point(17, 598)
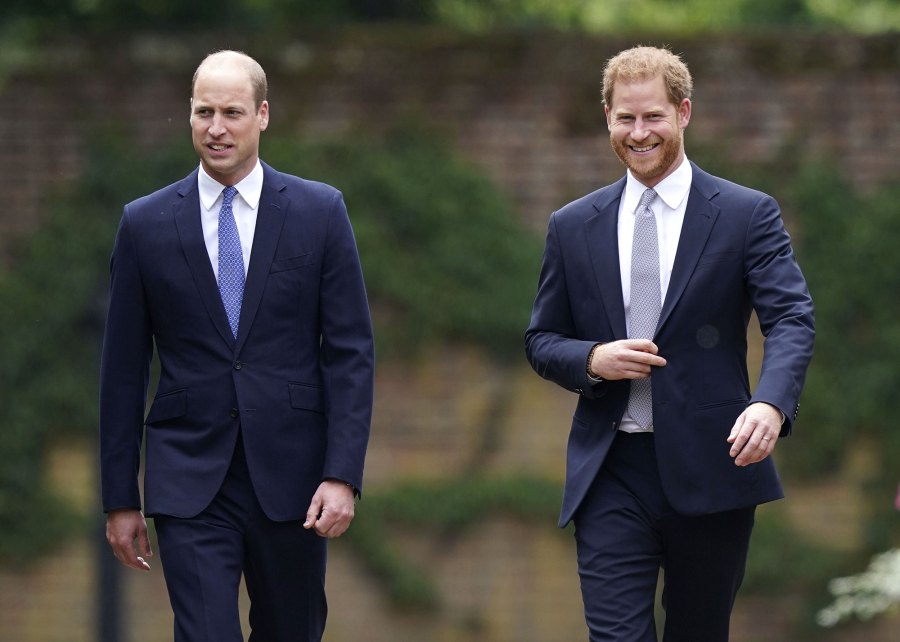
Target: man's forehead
point(645, 108)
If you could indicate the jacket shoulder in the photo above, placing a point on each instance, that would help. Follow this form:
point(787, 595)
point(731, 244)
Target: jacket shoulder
point(716, 187)
point(589, 205)
point(162, 196)
point(315, 193)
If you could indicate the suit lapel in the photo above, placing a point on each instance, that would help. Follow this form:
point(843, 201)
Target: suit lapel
point(190, 232)
point(601, 232)
point(273, 206)
point(699, 217)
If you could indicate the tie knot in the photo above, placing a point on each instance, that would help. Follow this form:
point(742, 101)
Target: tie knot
point(646, 198)
point(228, 194)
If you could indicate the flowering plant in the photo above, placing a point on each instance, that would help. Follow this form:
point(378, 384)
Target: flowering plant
point(870, 593)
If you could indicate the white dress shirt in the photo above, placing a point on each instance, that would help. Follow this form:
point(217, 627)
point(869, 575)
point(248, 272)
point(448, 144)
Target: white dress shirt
point(245, 208)
point(668, 209)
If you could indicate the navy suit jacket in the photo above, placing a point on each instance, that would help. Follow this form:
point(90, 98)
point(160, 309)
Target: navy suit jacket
point(733, 257)
point(297, 380)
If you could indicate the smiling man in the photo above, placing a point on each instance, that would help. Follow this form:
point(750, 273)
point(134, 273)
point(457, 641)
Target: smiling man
point(643, 303)
point(247, 282)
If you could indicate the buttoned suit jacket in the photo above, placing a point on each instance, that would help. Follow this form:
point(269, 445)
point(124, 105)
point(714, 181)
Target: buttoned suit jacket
point(296, 382)
point(734, 256)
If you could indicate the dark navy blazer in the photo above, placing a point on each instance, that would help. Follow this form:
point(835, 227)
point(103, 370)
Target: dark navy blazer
point(297, 381)
point(734, 256)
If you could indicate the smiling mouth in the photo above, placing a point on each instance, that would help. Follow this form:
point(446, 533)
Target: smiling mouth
point(218, 147)
point(644, 148)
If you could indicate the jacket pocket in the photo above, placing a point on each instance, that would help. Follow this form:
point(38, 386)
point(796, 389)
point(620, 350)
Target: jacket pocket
point(291, 263)
point(717, 257)
point(306, 396)
point(170, 405)
point(742, 401)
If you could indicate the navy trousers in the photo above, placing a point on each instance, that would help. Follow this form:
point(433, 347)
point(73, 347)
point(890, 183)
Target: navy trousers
point(204, 557)
point(626, 531)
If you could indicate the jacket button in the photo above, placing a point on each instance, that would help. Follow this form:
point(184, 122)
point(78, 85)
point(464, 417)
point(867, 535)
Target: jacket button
point(234, 413)
point(238, 365)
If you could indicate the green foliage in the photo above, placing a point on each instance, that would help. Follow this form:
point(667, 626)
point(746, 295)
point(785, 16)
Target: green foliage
point(53, 315)
point(448, 508)
point(782, 559)
point(609, 16)
point(672, 16)
point(443, 257)
point(849, 255)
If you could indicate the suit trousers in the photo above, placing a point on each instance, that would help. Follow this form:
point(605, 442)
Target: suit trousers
point(203, 558)
point(626, 531)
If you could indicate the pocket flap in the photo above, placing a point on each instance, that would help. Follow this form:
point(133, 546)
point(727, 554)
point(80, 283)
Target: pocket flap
point(306, 397)
point(168, 406)
point(292, 262)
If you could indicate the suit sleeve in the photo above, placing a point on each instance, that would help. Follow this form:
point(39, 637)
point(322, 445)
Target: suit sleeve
point(124, 376)
point(551, 343)
point(784, 308)
point(348, 358)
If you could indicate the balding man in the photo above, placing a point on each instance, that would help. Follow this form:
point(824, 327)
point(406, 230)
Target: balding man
point(248, 283)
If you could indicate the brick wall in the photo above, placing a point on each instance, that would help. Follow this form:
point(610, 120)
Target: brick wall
point(526, 109)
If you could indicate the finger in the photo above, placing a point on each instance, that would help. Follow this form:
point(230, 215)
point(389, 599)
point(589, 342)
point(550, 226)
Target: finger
point(128, 558)
point(743, 428)
point(642, 345)
point(758, 447)
point(313, 512)
point(651, 360)
point(144, 544)
point(635, 370)
point(336, 528)
point(735, 429)
point(325, 522)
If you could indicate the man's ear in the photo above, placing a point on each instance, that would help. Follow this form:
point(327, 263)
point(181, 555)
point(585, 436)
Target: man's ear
point(264, 115)
point(684, 113)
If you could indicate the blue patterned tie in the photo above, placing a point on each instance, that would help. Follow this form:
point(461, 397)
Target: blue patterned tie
point(645, 301)
point(231, 261)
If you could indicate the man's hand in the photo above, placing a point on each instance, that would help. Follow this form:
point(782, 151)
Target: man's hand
point(754, 433)
point(126, 532)
point(626, 359)
point(331, 509)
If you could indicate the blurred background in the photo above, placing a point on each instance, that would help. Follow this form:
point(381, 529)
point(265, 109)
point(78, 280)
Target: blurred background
point(454, 128)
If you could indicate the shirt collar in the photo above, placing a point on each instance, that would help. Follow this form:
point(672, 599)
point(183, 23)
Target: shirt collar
point(672, 190)
point(250, 188)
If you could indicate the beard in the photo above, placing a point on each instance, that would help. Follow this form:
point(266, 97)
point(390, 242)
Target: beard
point(652, 169)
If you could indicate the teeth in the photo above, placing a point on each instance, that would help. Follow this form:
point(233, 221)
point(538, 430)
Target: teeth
point(643, 149)
point(218, 148)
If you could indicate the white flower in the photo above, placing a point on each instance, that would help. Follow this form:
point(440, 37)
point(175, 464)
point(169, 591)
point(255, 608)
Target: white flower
point(867, 594)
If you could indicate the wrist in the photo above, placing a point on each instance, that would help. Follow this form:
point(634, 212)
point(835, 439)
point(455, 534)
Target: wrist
point(345, 483)
point(593, 376)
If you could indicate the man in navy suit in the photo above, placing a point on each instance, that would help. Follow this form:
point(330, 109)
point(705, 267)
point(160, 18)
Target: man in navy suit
point(643, 303)
point(248, 283)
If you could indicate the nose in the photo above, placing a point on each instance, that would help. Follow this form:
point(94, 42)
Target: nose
point(638, 131)
point(216, 127)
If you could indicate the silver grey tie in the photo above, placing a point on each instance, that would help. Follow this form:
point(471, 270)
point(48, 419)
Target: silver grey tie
point(645, 300)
